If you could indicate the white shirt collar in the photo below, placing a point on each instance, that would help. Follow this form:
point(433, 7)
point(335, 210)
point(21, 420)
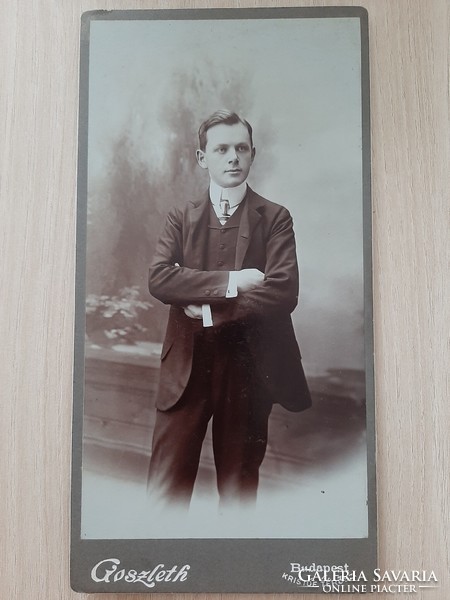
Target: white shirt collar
point(235, 195)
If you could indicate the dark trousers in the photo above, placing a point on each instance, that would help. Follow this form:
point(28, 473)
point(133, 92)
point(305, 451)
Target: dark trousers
point(222, 386)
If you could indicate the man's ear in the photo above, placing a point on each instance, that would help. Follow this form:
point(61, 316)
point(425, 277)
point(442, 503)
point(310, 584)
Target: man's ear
point(201, 159)
point(253, 153)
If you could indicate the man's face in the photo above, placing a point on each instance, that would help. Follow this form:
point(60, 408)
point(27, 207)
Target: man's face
point(228, 155)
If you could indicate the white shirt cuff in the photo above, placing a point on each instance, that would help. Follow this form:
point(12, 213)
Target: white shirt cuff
point(232, 290)
point(207, 315)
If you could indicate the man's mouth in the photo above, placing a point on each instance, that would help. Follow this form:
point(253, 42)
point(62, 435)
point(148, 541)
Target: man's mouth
point(233, 171)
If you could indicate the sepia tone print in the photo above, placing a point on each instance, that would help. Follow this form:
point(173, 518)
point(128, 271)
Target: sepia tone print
point(125, 325)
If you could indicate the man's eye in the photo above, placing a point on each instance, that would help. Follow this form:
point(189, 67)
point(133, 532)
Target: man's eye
point(222, 150)
point(242, 148)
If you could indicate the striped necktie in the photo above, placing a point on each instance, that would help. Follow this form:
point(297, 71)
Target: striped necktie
point(224, 207)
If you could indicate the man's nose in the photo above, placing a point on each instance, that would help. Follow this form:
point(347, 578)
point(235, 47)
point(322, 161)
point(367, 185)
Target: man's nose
point(232, 156)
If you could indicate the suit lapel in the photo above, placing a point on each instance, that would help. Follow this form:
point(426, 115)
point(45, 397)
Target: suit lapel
point(195, 241)
point(249, 219)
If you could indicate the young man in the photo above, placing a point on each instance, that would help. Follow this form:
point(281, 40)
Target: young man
point(226, 263)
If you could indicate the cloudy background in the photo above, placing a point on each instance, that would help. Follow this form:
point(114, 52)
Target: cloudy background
point(298, 82)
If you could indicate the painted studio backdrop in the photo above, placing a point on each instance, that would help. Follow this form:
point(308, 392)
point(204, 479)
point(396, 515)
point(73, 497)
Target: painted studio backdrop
point(151, 83)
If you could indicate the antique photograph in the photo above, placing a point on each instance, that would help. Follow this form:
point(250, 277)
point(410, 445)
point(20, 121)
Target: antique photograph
point(224, 353)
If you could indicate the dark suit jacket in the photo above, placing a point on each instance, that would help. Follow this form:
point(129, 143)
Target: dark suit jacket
point(177, 277)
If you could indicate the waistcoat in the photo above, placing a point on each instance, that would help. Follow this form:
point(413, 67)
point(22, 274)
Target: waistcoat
point(222, 241)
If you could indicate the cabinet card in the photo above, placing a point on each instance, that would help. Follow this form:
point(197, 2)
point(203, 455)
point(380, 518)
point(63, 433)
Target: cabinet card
point(223, 432)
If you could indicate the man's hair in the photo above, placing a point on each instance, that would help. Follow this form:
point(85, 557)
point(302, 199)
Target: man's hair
point(221, 117)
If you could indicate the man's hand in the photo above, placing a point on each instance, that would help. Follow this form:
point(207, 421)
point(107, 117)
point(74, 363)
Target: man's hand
point(248, 279)
point(193, 311)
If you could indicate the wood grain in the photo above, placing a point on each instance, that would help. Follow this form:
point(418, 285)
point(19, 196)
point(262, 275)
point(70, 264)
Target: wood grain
point(410, 133)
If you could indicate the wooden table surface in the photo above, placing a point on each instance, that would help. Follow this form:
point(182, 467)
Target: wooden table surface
point(39, 51)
